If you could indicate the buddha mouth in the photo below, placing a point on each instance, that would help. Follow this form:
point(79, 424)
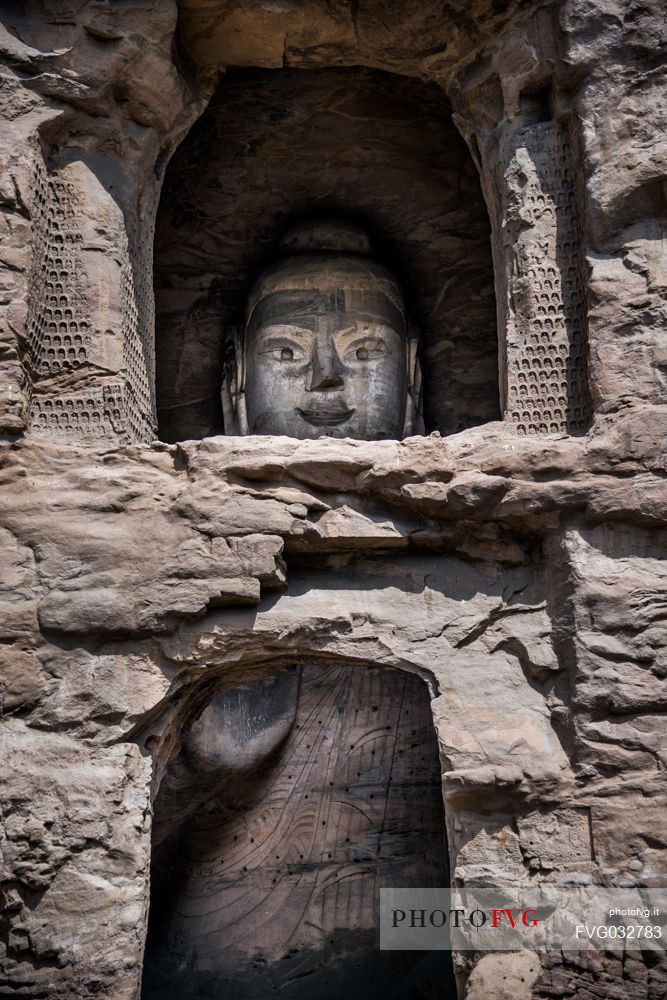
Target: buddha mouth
point(324, 416)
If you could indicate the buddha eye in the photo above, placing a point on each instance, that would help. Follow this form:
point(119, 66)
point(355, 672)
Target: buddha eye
point(371, 350)
point(281, 349)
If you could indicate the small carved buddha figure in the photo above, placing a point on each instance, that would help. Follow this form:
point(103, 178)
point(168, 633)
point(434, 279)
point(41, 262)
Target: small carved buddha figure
point(326, 349)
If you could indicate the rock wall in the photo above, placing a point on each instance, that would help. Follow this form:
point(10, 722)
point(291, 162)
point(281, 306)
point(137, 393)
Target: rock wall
point(467, 562)
point(93, 106)
point(519, 575)
point(96, 105)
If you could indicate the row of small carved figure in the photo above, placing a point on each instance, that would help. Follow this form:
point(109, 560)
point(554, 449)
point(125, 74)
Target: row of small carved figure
point(558, 369)
point(548, 412)
point(53, 364)
point(545, 337)
point(552, 428)
point(535, 355)
point(63, 327)
point(75, 421)
point(71, 404)
point(82, 414)
point(51, 189)
point(555, 298)
point(557, 381)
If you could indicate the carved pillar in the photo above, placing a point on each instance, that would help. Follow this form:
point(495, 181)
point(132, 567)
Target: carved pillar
point(89, 125)
point(89, 329)
point(532, 190)
point(545, 388)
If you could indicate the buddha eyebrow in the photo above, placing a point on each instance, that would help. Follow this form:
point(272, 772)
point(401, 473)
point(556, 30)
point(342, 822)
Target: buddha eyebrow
point(296, 329)
point(367, 326)
point(273, 341)
point(367, 338)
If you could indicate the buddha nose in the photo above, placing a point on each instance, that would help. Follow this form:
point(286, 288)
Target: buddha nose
point(326, 373)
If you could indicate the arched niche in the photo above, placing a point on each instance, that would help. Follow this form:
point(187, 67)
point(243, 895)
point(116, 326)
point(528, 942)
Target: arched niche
point(293, 800)
point(277, 146)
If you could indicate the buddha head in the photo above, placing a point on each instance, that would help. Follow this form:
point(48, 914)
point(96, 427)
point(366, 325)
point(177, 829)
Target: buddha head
point(326, 349)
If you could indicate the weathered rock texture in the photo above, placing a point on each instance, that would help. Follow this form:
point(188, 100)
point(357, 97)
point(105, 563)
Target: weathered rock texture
point(101, 107)
point(518, 575)
point(515, 579)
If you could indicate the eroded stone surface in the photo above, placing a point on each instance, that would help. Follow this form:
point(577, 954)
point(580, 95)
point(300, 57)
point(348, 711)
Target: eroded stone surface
point(520, 578)
point(463, 560)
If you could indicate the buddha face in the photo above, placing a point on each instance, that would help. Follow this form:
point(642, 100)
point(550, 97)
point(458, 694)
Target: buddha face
point(329, 358)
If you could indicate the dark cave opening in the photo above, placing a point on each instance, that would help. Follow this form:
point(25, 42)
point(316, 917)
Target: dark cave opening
point(294, 800)
point(275, 147)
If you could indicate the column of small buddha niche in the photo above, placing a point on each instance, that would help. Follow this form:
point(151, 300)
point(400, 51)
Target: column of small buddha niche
point(546, 386)
point(326, 348)
point(87, 362)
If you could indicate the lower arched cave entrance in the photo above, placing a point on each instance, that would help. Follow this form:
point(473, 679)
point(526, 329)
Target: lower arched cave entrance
point(293, 801)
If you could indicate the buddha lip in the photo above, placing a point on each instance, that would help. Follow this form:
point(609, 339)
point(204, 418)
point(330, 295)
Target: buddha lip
point(322, 417)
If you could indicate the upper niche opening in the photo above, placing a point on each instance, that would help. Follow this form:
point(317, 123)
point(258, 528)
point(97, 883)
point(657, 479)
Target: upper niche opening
point(278, 146)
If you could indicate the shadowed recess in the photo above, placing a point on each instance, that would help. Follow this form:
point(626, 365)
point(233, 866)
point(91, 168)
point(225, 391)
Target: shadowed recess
point(278, 146)
point(293, 802)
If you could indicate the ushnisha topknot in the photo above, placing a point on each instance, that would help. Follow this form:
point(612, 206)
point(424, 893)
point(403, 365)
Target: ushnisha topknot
point(326, 254)
point(327, 236)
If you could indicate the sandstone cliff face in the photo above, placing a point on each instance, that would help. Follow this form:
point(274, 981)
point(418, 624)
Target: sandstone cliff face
point(520, 581)
point(516, 568)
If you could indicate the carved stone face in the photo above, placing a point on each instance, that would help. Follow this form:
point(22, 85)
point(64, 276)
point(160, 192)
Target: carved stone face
point(326, 350)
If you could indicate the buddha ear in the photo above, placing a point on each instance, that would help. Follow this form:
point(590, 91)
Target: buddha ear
point(233, 382)
point(414, 421)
